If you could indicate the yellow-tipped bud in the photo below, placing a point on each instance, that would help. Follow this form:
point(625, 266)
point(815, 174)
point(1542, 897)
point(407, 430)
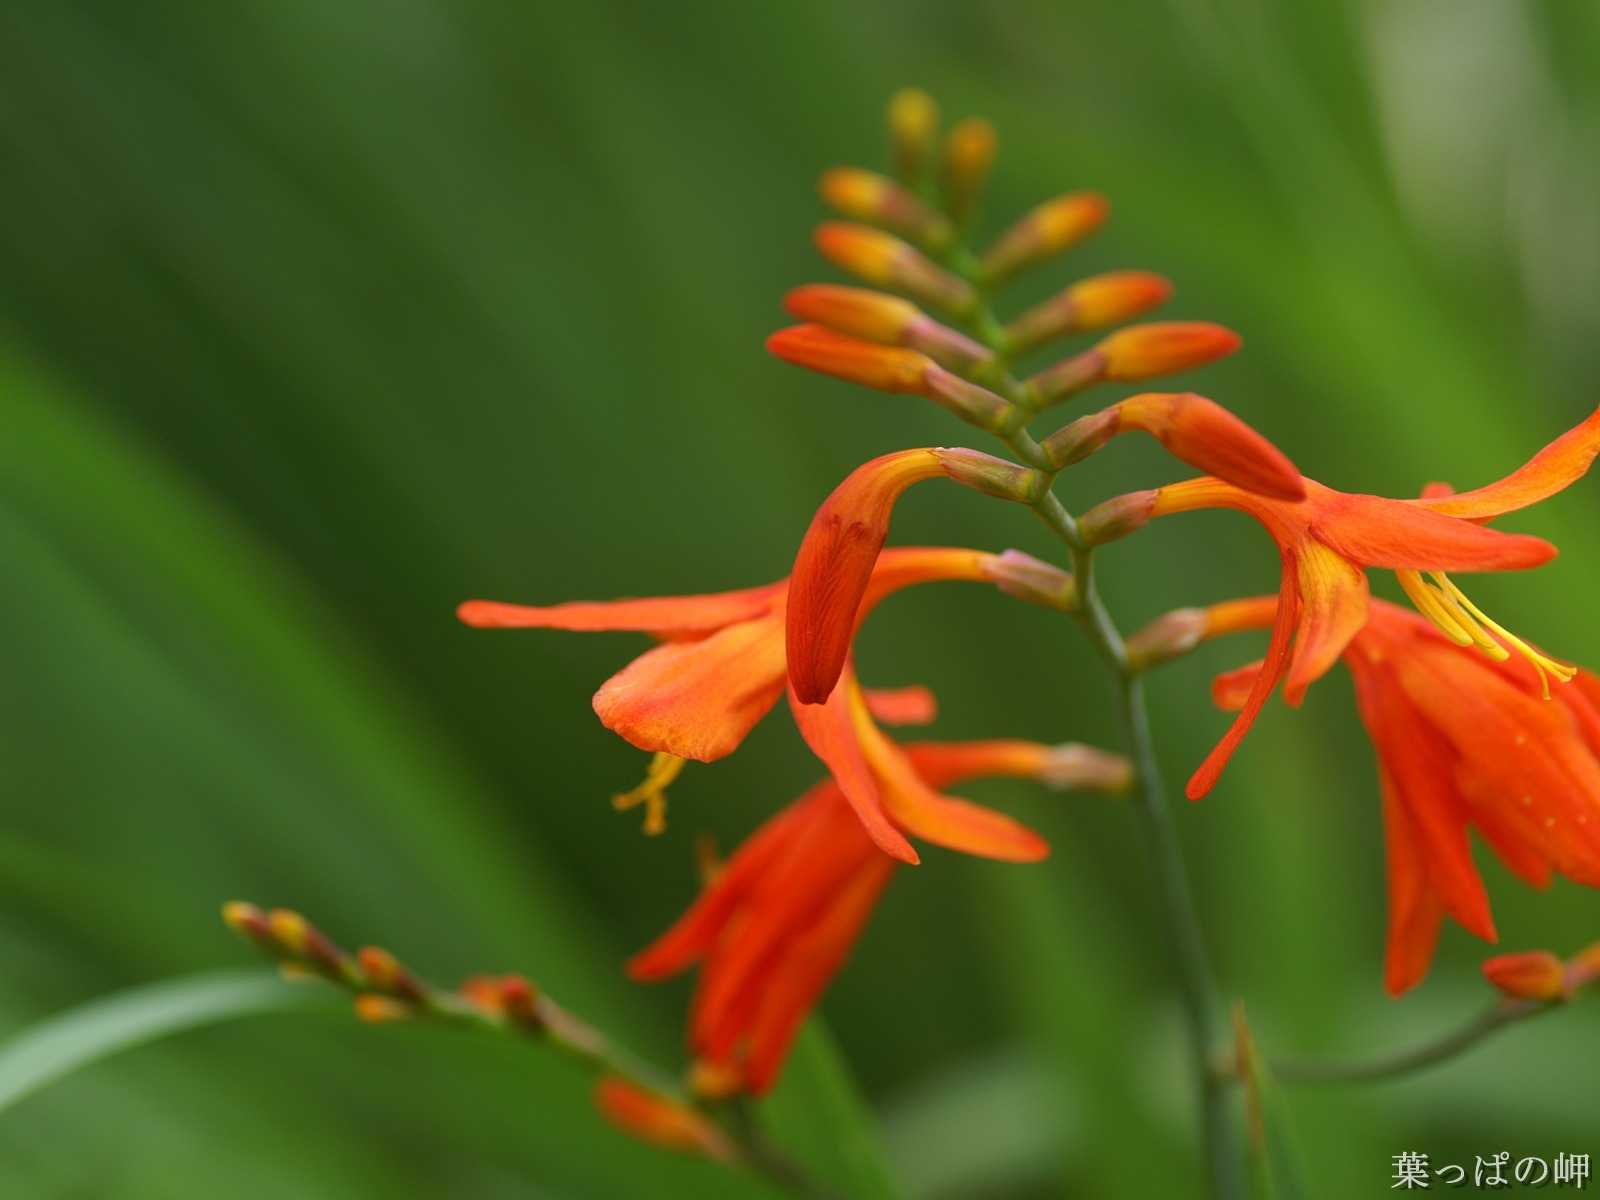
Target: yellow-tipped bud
point(1054, 226)
point(887, 368)
point(868, 196)
point(385, 973)
point(886, 261)
point(251, 923)
point(1530, 975)
point(660, 1120)
point(1089, 304)
point(913, 129)
point(879, 317)
point(309, 944)
point(968, 159)
point(383, 1010)
point(1164, 347)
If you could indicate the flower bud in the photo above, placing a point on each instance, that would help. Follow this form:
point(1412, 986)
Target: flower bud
point(1054, 226)
point(1116, 518)
point(1075, 766)
point(973, 404)
point(887, 368)
point(968, 158)
point(914, 705)
point(660, 1120)
point(309, 944)
point(1164, 348)
point(1028, 578)
point(1077, 441)
point(878, 317)
point(1065, 379)
point(384, 973)
point(1531, 975)
point(868, 196)
point(886, 261)
point(251, 923)
point(913, 129)
point(987, 474)
point(1205, 435)
point(383, 1010)
point(1170, 636)
point(1089, 304)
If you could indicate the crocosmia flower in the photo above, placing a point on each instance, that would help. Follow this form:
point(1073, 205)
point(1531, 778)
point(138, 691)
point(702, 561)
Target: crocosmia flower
point(1329, 539)
point(1464, 741)
point(780, 918)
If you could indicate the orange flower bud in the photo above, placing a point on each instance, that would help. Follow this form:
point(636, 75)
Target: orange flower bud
point(877, 317)
point(835, 564)
point(968, 158)
point(887, 368)
point(883, 259)
point(1089, 304)
point(383, 1010)
point(1054, 226)
point(251, 923)
point(987, 474)
point(1117, 517)
point(660, 1120)
point(868, 196)
point(913, 128)
point(1076, 766)
point(1203, 434)
point(305, 941)
point(384, 973)
point(1531, 975)
point(1027, 578)
point(1164, 347)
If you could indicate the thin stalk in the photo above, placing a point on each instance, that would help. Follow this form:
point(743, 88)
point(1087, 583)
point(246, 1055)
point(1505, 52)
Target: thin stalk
point(1403, 1062)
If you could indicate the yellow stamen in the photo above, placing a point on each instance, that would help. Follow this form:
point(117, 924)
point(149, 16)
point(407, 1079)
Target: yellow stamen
point(652, 793)
point(1464, 623)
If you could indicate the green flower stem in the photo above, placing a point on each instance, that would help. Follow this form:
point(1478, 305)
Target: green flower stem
point(1202, 1002)
point(1403, 1062)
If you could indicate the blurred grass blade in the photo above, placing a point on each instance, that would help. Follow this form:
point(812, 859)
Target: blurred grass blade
point(818, 1116)
point(65, 1043)
point(1277, 1171)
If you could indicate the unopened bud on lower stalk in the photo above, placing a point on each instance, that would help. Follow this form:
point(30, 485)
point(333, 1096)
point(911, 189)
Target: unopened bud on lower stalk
point(1531, 975)
point(1052, 227)
point(1028, 578)
point(1116, 518)
point(1087, 305)
point(1133, 354)
point(660, 1120)
point(877, 317)
point(883, 259)
point(889, 369)
point(868, 196)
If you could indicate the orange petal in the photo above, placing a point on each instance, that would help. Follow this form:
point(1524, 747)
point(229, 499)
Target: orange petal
point(1375, 532)
point(1231, 689)
point(660, 1120)
point(1333, 607)
point(830, 730)
point(914, 705)
point(1557, 466)
point(835, 564)
point(1203, 434)
point(1415, 913)
point(657, 614)
point(1164, 347)
point(697, 699)
point(887, 368)
point(861, 312)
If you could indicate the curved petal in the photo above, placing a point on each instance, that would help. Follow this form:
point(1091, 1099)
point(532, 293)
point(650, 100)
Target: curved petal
point(1333, 607)
point(1374, 532)
point(655, 614)
point(1415, 913)
point(1557, 466)
point(1203, 434)
point(697, 699)
point(914, 705)
point(830, 730)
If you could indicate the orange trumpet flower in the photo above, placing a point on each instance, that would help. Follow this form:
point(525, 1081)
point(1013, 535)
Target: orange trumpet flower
point(779, 919)
point(1463, 740)
point(1328, 540)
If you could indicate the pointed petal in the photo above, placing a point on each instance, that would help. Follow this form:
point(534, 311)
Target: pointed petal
point(656, 614)
point(914, 705)
point(830, 730)
point(1373, 532)
point(1203, 434)
point(1557, 466)
point(1273, 666)
point(1231, 689)
point(1333, 607)
point(835, 563)
point(1415, 913)
point(697, 699)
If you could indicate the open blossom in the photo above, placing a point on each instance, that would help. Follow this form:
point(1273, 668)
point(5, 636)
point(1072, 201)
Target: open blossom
point(779, 919)
point(720, 666)
point(1328, 540)
point(1463, 741)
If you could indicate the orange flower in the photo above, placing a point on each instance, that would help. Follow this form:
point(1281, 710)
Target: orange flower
point(780, 918)
point(720, 667)
point(1328, 540)
point(1463, 740)
point(661, 1120)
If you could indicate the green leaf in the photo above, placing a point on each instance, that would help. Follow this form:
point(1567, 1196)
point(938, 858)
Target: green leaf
point(818, 1116)
point(1277, 1169)
point(69, 1041)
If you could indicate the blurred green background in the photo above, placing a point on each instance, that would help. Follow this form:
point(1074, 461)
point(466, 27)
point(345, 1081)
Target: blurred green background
point(319, 316)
